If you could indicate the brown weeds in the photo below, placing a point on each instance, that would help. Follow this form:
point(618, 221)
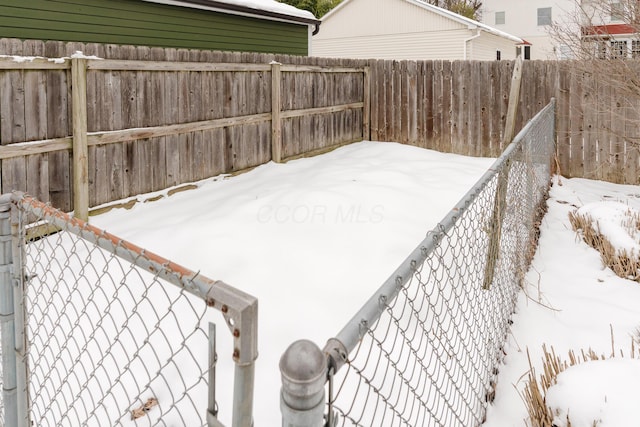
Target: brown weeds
point(621, 262)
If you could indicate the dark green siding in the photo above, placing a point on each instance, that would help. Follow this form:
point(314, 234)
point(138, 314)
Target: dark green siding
point(136, 22)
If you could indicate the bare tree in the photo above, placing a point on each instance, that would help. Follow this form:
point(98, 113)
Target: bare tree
point(602, 41)
point(468, 8)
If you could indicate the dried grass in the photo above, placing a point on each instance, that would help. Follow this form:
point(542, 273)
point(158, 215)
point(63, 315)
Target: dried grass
point(621, 262)
point(535, 391)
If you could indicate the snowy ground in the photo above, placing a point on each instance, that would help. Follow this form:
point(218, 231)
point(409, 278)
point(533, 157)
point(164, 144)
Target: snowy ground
point(313, 238)
point(572, 302)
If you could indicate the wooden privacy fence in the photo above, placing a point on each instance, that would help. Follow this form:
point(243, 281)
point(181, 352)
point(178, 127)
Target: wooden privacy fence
point(157, 118)
point(461, 107)
point(140, 126)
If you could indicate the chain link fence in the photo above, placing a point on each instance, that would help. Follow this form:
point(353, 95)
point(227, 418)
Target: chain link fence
point(425, 349)
point(108, 334)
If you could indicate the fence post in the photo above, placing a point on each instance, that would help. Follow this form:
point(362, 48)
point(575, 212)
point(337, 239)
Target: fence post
point(276, 124)
point(366, 108)
point(303, 369)
point(19, 281)
point(80, 148)
point(503, 178)
point(9, 380)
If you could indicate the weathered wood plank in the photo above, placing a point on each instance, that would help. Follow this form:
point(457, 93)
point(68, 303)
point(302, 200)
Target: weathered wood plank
point(483, 103)
point(13, 129)
point(459, 97)
point(171, 115)
point(447, 99)
point(589, 126)
point(35, 107)
point(276, 114)
point(58, 94)
point(176, 66)
point(34, 64)
point(80, 147)
point(128, 83)
point(576, 119)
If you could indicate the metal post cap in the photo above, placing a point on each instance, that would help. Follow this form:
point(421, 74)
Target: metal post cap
point(303, 368)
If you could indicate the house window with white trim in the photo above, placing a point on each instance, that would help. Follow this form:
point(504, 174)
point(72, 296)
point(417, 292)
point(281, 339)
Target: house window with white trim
point(500, 18)
point(635, 49)
point(601, 49)
point(618, 49)
point(544, 16)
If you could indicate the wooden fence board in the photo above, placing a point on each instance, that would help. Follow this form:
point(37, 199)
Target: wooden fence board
point(58, 126)
point(617, 108)
point(35, 108)
point(575, 126)
point(171, 109)
point(591, 146)
point(447, 105)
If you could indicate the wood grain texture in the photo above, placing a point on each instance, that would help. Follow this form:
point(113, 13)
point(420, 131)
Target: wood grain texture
point(163, 117)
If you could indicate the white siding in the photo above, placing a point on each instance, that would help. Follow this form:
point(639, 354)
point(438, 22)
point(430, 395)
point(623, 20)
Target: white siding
point(393, 29)
point(521, 19)
point(484, 48)
point(378, 17)
point(447, 45)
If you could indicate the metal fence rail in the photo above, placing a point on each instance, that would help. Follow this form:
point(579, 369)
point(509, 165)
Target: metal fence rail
point(424, 350)
point(107, 333)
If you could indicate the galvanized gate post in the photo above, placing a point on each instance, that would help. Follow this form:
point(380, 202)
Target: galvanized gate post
point(19, 281)
point(9, 380)
point(303, 368)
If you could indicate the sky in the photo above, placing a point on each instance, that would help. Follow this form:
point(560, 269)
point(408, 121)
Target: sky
point(313, 238)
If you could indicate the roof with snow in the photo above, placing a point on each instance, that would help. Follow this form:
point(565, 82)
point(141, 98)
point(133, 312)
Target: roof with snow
point(261, 8)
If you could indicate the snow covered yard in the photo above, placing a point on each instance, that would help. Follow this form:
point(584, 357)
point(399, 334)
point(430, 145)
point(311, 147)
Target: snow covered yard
point(313, 238)
point(572, 302)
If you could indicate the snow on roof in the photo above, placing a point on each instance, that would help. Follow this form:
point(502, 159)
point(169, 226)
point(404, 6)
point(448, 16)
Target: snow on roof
point(259, 5)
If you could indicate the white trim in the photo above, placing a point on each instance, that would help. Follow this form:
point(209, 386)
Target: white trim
point(470, 23)
point(465, 41)
point(302, 14)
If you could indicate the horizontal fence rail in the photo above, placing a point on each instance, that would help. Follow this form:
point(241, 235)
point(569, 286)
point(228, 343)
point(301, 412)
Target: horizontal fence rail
point(158, 118)
point(80, 132)
point(424, 350)
point(107, 333)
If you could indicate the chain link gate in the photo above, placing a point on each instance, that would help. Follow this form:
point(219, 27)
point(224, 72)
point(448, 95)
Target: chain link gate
point(425, 349)
point(97, 331)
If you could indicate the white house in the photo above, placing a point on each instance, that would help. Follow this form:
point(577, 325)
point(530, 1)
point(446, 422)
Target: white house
point(611, 28)
point(531, 20)
point(407, 29)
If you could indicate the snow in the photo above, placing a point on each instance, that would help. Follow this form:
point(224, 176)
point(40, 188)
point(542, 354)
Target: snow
point(312, 239)
point(572, 302)
point(266, 5)
point(610, 219)
point(604, 391)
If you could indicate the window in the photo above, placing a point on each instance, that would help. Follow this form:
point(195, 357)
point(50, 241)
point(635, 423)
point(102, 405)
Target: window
point(564, 52)
point(527, 51)
point(617, 12)
point(600, 49)
point(618, 49)
point(498, 55)
point(499, 18)
point(544, 16)
point(635, 49)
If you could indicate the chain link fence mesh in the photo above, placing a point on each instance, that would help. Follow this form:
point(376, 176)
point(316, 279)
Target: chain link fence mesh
point(109, 344)
point(111, 340)
point(431, 357)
